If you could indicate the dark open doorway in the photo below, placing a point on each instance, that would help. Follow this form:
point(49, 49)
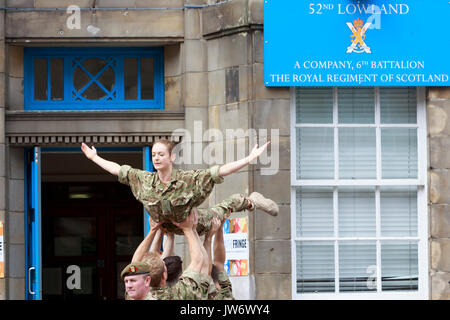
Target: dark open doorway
point(91, 225)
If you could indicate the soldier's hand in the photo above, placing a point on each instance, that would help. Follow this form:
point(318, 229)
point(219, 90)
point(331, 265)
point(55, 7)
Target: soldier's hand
point(88, 152)
point(153, 224)
point(215, 225)
point(194, 213)
point(163, 227)
point(190, 222)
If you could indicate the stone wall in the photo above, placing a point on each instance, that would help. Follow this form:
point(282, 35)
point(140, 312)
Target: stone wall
point(272, 234)
point(14, 100)
point(438, 114)
point(238, 99)
point(104, 25)
point(3, 186)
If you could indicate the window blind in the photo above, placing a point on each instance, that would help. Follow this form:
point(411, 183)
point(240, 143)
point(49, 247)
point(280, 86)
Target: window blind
point(399, 153)
point(398, 211)
point(398, 105)
point(356, 106)
point(315, 267)
point(375, 128)
point(314, 212)
point(315, 105)
point(399, 265)
point(356, 211)
point(357, 153)
point(315, 153)
point(357, 260)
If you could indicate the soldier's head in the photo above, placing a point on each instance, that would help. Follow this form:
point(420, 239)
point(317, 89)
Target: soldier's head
point(174, 266)
point(137, 280)
point(158, 270)
point(162, 156)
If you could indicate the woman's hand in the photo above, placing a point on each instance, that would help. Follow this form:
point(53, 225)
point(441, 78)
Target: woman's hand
point(88, 152)
point(91, 154)
point(231, 167)
point(256, 152)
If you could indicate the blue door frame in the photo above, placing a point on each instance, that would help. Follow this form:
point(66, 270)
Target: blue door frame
point(33, 256)
point(148, 165)
point(33, 272)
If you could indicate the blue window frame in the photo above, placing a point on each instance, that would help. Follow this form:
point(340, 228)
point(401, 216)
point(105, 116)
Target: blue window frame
point(94, 78)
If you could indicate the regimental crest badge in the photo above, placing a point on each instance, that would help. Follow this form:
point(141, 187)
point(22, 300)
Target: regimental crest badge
point(359, 35)
point(133, 269)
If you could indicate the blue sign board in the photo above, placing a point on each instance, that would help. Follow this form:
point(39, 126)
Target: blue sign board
point(356, 43)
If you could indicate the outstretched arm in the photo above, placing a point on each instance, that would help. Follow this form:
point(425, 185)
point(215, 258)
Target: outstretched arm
point(156, 244)
point(91, 154)
point(147, 242)
point(219, 262)
point(195, 248)
point(207, 241)
point(168, 245)
point(219, 249)
point(232, 167)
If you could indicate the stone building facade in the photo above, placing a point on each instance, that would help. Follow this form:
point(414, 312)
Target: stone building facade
point(437, 111)
point(213, 79)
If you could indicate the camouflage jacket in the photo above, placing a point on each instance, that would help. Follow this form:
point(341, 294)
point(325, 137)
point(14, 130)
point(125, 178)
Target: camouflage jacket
point(190, 286)
point(149, 296)
point(174, 200)
point(226, 291)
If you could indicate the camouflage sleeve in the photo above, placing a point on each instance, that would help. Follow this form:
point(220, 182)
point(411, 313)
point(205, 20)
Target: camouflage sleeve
point(135, 178)
point(214, 171)
point(196, 286)
point(207, 176)
point(223, 278)
point(208, 288)
point(226, 291)
point(186, 289)
point(123, 174)
point(149, 296)
point(224, 294)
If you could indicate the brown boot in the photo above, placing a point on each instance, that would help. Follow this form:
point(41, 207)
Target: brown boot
point(264, 204)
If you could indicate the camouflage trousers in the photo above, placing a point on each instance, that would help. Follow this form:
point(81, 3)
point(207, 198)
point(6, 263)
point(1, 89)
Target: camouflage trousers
point(235, 203)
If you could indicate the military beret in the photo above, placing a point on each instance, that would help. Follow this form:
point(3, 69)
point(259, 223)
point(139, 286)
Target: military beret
point(134, 269)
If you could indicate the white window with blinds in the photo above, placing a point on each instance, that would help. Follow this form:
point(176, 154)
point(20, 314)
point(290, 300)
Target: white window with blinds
point(359, 193)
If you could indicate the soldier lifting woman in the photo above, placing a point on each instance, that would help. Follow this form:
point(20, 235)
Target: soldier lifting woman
point(170, 194)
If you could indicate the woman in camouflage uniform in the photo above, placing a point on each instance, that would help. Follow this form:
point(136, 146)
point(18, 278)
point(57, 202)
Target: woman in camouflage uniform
point(170, 194)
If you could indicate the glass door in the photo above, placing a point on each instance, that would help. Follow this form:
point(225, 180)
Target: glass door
point(72, 257)
point(87, 241)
